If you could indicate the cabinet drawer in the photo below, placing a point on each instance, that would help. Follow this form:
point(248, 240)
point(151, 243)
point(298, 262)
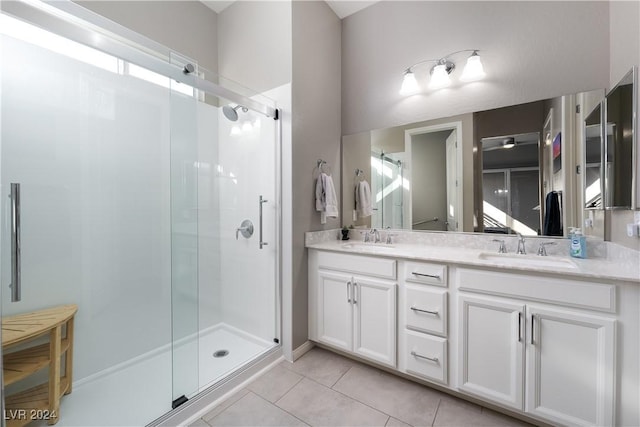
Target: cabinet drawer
point(426, 356)
point(573, 293)
point(422, 272)
point(371, 266)
point(426, 309)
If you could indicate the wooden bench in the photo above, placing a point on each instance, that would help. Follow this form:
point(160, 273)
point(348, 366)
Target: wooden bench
point(43, 401)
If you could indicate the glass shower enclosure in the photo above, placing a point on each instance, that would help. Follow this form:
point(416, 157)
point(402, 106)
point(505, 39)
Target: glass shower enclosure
point(136, 194)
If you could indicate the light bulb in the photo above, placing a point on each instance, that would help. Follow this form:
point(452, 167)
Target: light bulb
point(473, 70)
point(409, 84)
point(439, 77)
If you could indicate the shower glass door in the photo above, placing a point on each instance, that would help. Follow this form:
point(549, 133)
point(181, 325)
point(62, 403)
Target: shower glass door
point(238, 269)
point(106, 214)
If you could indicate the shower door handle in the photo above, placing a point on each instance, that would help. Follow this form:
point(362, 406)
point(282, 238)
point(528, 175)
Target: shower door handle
point(262, 201)
point(16, 294)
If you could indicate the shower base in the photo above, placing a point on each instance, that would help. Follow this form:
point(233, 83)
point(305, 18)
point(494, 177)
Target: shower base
point(139, 391)
point(241, 347)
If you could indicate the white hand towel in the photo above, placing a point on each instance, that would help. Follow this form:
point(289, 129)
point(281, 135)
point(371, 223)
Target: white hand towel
point(363, 199)
point(331, 206)
point(320, 196)
point(326, 200)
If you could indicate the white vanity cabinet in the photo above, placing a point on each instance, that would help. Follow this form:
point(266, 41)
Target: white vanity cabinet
point(353, 304)
point(551, 361)
point(555, 346)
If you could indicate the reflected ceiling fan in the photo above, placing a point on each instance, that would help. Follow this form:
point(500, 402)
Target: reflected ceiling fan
point(508, 142)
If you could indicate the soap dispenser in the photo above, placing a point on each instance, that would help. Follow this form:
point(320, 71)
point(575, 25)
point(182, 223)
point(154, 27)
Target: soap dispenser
point(578, 247)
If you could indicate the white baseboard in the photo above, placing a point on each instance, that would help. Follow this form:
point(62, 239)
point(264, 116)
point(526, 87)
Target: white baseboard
point(300, 351)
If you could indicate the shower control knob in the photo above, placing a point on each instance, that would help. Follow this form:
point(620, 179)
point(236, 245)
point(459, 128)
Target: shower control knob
point(246, 229)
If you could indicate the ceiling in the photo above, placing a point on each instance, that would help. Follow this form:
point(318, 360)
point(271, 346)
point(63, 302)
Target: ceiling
point(342, 8)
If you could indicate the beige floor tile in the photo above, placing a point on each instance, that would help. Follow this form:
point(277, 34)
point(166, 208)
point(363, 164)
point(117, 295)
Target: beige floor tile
point(321, 366)
point(225, 404)
point(402, 399)
point(459, 413)
point(318, 405)
point(500, 420)
point(199, 423)
point(252, 410)
point(393, 422)
point(275, 383)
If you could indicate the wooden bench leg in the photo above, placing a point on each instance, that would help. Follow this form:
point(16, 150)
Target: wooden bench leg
point(68, 360)
point(54, 374)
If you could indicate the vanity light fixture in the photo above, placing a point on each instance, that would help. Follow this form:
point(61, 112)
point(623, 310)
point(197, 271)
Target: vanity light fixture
point(473, 71)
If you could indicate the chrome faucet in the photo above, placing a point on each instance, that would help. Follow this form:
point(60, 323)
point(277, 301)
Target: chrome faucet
point(367, 239)
point(521, 249)
point(389, 240)
point(542, 250)
point(376, 235)
point(503, 248)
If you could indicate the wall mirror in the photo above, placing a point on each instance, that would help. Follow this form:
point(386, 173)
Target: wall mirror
point(593, 158)
point(496, 171)
point(621, 145)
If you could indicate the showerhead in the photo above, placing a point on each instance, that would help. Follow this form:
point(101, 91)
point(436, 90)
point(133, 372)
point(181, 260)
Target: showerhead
point(231, 113)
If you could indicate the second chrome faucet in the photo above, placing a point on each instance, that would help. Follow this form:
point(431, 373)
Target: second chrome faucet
point(373, 232)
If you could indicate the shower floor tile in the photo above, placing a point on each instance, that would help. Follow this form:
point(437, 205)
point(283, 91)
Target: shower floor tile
point(132, 396)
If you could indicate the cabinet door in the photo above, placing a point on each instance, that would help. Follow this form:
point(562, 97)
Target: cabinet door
point(374, 303)
point(491, 351)
point(335, 324)
point(570, 366)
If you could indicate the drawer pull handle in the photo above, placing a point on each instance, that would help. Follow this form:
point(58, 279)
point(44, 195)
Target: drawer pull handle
point(432, 359)
point(435, 313)
point(533, 319)
point(355, 289)
point(433, 276)
point(349, 292)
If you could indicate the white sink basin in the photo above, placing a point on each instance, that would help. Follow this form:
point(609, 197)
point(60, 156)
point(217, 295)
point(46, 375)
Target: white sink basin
point(528, 260)
point(369, 247)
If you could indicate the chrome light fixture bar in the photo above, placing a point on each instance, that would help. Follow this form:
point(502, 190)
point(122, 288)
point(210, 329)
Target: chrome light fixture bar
point(473, 71)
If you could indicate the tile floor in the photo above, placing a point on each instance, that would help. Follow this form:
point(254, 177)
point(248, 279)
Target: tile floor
point(325, 389)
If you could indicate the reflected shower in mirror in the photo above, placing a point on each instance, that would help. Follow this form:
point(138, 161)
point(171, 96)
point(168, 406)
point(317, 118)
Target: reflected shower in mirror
point(387, 177)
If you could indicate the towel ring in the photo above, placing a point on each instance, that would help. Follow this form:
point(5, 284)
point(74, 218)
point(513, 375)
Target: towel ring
point(321, 165)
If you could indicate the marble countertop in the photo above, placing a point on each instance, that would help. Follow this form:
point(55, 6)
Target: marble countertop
point(594, 268)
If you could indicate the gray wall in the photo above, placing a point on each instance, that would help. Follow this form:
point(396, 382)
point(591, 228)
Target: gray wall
point(429, 179)
point(316, 87)
point(188, 27)
point(530, 50)
point(255, 43)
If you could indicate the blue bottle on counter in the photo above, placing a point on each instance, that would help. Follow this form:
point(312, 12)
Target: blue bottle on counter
point(578, 246)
